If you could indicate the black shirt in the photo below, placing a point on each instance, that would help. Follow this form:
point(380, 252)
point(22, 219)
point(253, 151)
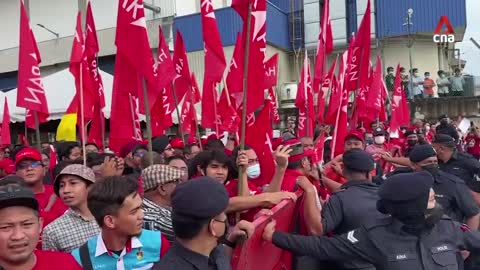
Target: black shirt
point(454, 196)
point(350, 207)
point(464, 167)
point(387, 246)
point(179, 257)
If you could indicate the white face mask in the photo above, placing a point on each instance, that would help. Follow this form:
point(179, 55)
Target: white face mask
point(253, 171)
point(379, 139)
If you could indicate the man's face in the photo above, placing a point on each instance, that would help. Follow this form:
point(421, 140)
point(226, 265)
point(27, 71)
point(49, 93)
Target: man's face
point(195, 150)
point(252, 157)
point(137, 156)
point(91, 149)
point(75, 153)
point(31, 171)
point(218, 171)
point(168, 152)
point(73, 191)
point(353, 143)
point(307, 143)
point(426, 162)
point(129, 218)
point(20, 229)
point(45, 146)
point(181, 165)
point(45, 160)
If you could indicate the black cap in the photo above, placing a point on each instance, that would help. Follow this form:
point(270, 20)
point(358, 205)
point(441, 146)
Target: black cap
point(443, 139)
point(160, 143)
point(358, 160)
point(410, 132)
point(422, 152)
point(202, 198)
point(13, 194)
point(378, 131)
point(405, 195)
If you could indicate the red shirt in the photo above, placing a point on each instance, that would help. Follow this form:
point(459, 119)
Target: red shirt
point(232, 189)
point(51, 260)
point(56, 210)
point(473, 144)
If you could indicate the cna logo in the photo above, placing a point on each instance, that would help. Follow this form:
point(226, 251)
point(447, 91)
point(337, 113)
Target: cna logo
point(446, 36)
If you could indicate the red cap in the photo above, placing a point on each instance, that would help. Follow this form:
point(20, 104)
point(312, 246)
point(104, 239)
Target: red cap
point(28, 153)
point(176, 143)
point(306, 153)
point(7, 165)
point(276, 143)
point(192, 141)
point(354, 134)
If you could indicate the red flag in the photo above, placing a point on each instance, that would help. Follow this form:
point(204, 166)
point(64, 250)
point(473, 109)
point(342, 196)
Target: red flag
point(165, 67)
point(131, 40)
point(341, 124)
point(30, 93)
point(333, 102)
point(318, 150)
point(81, 73)
point(195, 90)
point(53, 158)
point(215, 62)
point(271, 71)
point(91, 51)
point(227, 114)
point(374, 95)
point(209, 101)
point(180, 61)
point(322, 95)
point(122, 115)
point(272, 97)
point(360, 57)
point(400, 111)
point(30, 119)
point(258, 136)
point(5, 132)
point(304, 101)
point(235, 70)
point(96, 126)
point(187, 115)
point(256, 57)
point(324, 46)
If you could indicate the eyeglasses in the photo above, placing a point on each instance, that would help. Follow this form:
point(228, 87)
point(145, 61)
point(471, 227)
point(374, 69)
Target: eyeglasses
point(139, 154)
point(26, 165)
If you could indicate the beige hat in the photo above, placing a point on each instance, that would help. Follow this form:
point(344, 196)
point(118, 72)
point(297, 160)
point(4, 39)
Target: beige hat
point(79, 170)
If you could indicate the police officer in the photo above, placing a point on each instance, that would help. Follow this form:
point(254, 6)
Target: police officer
point(450, 191)
point(350, 207)
point(200, 223)
point(416, 236)
point(446, 128)
point(459, 164)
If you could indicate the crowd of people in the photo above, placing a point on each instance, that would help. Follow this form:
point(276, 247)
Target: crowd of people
point(418, 86)
point(387, 202)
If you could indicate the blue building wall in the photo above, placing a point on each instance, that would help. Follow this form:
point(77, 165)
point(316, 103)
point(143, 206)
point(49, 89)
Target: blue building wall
point(426, 14)
point(229, 24)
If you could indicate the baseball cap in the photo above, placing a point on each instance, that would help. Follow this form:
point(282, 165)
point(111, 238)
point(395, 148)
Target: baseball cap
point(176, 143)
point(354, 134)
point(13, 194)
point(378, 131)
point(27, 153)
point(79, 170)
point(159, 174)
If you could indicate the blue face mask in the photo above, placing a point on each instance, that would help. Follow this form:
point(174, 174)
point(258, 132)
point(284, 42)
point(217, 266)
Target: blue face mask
point(253, 171)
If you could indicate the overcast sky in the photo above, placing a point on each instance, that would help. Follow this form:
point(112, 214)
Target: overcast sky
point(468, 50)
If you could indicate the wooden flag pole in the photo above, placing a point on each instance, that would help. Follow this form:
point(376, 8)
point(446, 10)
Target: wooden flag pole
point(149, 122)
point(82, 116)
point(175, 98)
point(305, 89)
point(215, 108)
point(245, 91)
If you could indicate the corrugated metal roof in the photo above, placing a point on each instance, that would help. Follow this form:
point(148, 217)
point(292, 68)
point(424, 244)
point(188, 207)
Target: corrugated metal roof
point(426, 14)
point(229, 24)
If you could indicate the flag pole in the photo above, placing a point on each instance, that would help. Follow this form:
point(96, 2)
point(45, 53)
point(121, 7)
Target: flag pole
point(197, 131)
point(35, 114)
point(245, 91)
point(215, 107)
point(102, 118)
point(132, 112)
point(149, 122)
point(175, 98)
point(305, 89)
point(26, 128)
point(82, 116)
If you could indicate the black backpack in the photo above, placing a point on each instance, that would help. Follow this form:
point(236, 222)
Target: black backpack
point(85, 257)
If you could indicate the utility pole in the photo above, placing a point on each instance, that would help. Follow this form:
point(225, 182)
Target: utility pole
point(409, 45)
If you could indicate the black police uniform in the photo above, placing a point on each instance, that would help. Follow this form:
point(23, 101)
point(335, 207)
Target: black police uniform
point(464, 167)
point(387, 246)
point(408, 239)
point(454, 196)
point(353, 205)
point(196, 201)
